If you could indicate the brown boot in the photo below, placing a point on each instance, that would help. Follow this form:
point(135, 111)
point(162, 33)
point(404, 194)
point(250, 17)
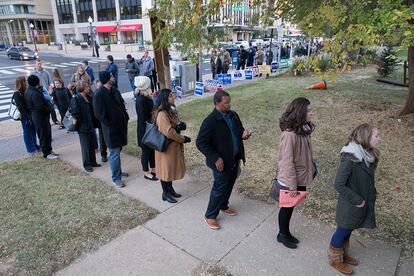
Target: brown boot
point(348, 259)
point(336, 260)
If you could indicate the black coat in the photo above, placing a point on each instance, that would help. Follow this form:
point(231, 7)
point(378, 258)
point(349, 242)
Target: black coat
point(21, 104)
point(62, 97)
point(109, 108)
point(214, 140)
point(82, 111)
point(144, 107)
point(355, 182)
point(36, 103)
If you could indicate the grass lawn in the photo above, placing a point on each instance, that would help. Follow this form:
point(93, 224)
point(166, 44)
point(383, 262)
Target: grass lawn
point(51, 214)
point(355, 98)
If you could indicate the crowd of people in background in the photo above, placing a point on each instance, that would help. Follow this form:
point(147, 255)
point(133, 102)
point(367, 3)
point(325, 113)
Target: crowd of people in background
point(97, 104)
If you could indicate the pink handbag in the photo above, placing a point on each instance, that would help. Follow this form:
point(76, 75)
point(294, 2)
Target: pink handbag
point(286, 201)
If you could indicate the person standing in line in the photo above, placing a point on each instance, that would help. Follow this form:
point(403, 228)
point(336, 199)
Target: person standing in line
point(170, 164)
point(45, 82)
point(132, 69)
point(39, 109)
point(81, 75)
point(109, 109)
point(61, 97)
point(113, 69)
point(82, 111)
point(259, 56)
point(220, 140)
point(214, 63)
point(146, 66)
point(144, 107)
point(102, 146)
point(225, 60)
point(295, 162)
point(88, 69)
point(56, 75)
point(243, 55)
point(251, 54)
point(29, 131)
point(355, 184)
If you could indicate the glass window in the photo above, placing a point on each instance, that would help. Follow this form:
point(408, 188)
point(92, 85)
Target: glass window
point(64, 10)
point(83, 10)
point(130, 9)
point(106, 10)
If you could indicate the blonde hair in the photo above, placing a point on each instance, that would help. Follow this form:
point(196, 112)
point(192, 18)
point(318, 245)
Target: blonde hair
point(362, 135)
point(146, 92)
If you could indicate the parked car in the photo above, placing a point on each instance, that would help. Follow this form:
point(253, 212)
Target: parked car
point(256, 42)
point(21, 52)
point(242, 42)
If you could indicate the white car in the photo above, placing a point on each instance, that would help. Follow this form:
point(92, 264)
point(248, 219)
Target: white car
point(256, 42)
point(242, 42)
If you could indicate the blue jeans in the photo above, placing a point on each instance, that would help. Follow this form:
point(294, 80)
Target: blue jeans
point(115, 163)
point(132, 83)
point(29, 135)
point(340, 236)
point(221, 191)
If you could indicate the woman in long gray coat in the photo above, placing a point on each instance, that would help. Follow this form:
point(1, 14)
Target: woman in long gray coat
point(355, 184)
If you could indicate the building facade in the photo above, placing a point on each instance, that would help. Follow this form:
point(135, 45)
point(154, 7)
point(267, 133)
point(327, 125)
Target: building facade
point(113, 21)
point(22, 21)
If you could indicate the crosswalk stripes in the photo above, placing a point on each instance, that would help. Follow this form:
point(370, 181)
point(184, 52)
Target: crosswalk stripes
point(60, 65)
point(5, 97)
point(22, 70)
point(6, 72)
point(8, 96)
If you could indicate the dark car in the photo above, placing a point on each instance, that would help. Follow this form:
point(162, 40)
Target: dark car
point(21, 53)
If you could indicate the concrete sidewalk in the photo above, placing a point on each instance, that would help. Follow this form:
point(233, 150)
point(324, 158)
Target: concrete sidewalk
point(178, 240)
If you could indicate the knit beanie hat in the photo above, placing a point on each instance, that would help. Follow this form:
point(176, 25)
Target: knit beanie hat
point(33, 80)
point(142, 83)
point(104, 77)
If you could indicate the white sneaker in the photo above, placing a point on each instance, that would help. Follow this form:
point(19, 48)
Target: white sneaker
point(54, 153)
point(51, 156)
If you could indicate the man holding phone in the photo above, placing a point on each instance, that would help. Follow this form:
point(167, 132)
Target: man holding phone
point(220, 139)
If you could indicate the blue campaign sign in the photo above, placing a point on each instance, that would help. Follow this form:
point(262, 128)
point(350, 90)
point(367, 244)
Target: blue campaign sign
point(226, 79)
point(248, 74)
point(219, 77)
point(179, 92)
point(199, 89)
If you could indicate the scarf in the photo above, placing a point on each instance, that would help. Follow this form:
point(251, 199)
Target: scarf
point(359, 152)
point(306, 129)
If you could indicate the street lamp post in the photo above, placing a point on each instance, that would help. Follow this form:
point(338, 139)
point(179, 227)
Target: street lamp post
point(90, 20)
point(33, 36)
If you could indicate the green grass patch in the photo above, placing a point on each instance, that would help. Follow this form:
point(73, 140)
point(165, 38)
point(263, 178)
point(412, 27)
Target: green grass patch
point(51, 213)
point(355, 98)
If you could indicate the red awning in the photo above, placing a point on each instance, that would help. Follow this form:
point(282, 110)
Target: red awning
point(122, 28)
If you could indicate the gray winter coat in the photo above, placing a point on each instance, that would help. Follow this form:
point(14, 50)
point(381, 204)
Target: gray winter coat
point(355, 182)
point(132, 69)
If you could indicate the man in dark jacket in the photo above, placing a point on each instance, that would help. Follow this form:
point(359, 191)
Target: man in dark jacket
point(252, 54)
point(132, 69)
point(220, 139)
point(243, 56)
point(88, 70)
point(109, 108)
point(113, 69)
point(40, 111)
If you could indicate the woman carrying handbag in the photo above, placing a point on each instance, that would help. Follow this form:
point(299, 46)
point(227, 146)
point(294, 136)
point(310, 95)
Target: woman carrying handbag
point(169, 164)
point(295, 162)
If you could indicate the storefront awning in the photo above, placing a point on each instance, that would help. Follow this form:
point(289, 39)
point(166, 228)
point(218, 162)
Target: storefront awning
point(122, 28)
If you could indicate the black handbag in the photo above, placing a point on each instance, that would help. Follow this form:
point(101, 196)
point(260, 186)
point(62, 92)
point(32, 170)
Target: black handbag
point(154, 139)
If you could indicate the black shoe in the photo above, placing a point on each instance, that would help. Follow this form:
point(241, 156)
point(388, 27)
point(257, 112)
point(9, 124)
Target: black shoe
point(104, 159)
point(284, 239)
point(293, 239)
point(96, 165)
point(172, 192)
point(168, 197)
point(88, 169)
point(153, 178)
point(154, 174)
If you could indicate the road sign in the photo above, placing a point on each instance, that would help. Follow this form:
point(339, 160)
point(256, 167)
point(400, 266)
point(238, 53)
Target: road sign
point(199, 89)
point(248, 74)
point(214, 85)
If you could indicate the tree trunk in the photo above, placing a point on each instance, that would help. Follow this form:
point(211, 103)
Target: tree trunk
point(409, 103)
point(161, 57)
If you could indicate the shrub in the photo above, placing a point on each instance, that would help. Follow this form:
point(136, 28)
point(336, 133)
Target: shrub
point(387, 62)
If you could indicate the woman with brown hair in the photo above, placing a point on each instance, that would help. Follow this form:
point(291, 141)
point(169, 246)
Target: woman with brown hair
point(170, 164)
point(355, 185)
point(29, 131)
point(61, 97)
point(82, 111)
point(79, 75)
point(295, 163)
